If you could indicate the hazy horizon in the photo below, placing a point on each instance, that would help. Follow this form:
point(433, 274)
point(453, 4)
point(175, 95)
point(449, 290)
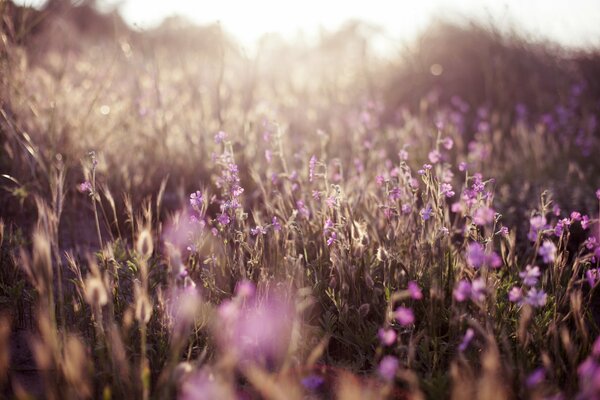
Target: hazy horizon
point(571, 24)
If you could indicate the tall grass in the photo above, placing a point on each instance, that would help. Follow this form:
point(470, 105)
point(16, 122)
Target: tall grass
point(182, 220)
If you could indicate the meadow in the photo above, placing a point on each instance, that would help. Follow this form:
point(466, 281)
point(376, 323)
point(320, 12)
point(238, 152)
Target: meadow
point(182, 218)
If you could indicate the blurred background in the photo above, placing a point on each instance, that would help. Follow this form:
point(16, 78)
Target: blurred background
point(147, 84)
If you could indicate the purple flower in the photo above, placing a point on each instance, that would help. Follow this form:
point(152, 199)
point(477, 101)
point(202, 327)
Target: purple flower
point(85, 187)
point(223, 218)
point(462, 166)
point(258, 230)
point(537, 224)
point(387, 336)
point(220, 137)
point(530, 275)
point(302, 210)
point(484, 215)
point(196, 200)
point(575, 216)
point(477, 257)
point(332, 239)
point(388, 366)
point(585, 222)
point(312, 382)
point(592, 276)
point(379, 179)
point(275, 224)
point(434, 156)
point(598, 194)
point(515, 295)
point(478, 290)
point(395, 193)
point(426, 213)
point(316, 195)
point(469, 335)
point(503, 231)
point(406, 208)
point(447, 142)
point(415, 290)
point(462, 291)
point(536, 298)
point(245, 289)
point(536, 377)
point(404, 316)
point(446, 190)
point(547, 251)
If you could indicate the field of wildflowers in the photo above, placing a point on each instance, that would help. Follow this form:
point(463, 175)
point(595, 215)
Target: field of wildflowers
point(179, 219)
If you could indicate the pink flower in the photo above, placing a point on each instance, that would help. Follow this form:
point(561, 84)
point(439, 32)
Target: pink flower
point(404, 316)
point(387, 336)
point(415, 290)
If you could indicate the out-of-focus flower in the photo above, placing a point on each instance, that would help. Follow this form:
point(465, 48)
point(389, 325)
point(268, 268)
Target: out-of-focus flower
point(478, 290)
point(312, 382)
point(536, 298)
point(447, 142)
point(592, 276)
point(302, 209)
point(388, 366)
point(258, 230)
point(462, 291)
point(515, 295)
point(547, 251)
point(426, 212)
point(257, 332)
point(404, 316)
point(206, 386)
point(196, 200)
point(446, 190)
point(85, 187)
point(469, 335)
point(275, 224)
point(245, 289)
point(220, 137)
point(477, 257)
point(531, 275)
point(484, 215)
point(536, 377)
point(387, 336)
point(434, 156)
point(414, 290)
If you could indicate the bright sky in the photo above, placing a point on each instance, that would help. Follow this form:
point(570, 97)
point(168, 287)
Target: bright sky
point(573, 22)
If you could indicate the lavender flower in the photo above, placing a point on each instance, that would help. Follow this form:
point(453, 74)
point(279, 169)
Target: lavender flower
point(426, 212)
point(312, 382)
point(220, 137)
point(446, 190)
point(414, 290)
point(388, 366)
point(462, 291)
point(275, 224)
point(196, 200)
point(387, 336)
point(85, 187)
point(404, 316)
point(547, 251)
point(469, 335)
point(515, 295)
point(531, 275)
point(536, 298)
